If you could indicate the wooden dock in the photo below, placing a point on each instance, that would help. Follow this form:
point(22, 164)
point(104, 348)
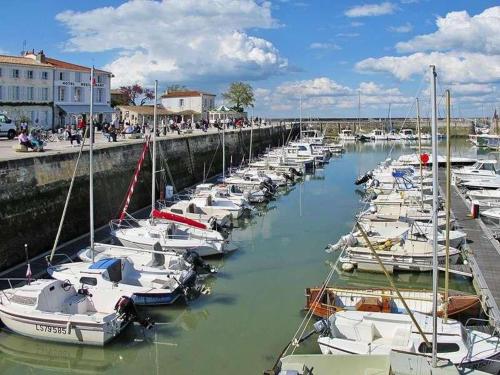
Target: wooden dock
point(483, 253)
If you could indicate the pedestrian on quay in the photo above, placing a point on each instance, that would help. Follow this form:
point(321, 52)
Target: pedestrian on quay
point(24, 140)
point(72, 135)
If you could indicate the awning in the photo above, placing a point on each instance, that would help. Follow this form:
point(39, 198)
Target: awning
point(78, 109)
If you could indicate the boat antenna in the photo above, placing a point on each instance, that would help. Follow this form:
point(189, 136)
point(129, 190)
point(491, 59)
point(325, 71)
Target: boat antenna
point(91, 163)
point(153, 174)
point(435, 207)
point(359, 110)
point(224, 150)
point(28, 266)
point(300, 115)
point(448, 201)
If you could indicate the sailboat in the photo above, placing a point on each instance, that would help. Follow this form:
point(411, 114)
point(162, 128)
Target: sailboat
point(171, 234)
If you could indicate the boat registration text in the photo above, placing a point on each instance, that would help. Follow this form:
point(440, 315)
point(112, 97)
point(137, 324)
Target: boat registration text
point(50, 329)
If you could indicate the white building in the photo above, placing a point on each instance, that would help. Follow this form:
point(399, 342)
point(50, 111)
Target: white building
point(49, 92)
point(189, 101)
point(72, 93)
point(26, 89)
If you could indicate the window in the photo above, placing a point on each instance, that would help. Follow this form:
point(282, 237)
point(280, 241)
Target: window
point(1, 91)
point(30, 93)
point(29, 74)
point(61, 93)
point(44, 93)
point(15, 73)
point(16, 93)
point(78, 77)
point(100, 78)
point(181, 102)
point(442, 347)
point(78, 94)
point(61, 76)
point(0, 72)
point(88, 280)
point(99, 95)
point(45, 75)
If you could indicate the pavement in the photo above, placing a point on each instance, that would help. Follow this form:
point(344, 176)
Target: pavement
point(7, 151)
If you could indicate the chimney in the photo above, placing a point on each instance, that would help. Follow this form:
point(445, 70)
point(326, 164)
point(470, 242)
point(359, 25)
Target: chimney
point(40, 56)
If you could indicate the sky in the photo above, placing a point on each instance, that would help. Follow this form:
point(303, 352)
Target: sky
point(335, 57)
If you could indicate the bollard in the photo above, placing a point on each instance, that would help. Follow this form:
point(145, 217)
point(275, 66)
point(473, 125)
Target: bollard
point(474, 209)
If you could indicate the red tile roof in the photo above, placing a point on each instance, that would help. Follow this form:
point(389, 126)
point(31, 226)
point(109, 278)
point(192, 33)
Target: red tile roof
point(66, 65)
point(184, 94)
point(21, 61)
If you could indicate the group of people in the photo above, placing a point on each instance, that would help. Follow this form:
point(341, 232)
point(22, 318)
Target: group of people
point(31, 139)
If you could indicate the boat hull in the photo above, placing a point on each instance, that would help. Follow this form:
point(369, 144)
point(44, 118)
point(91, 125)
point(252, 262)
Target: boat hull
point(95, 334)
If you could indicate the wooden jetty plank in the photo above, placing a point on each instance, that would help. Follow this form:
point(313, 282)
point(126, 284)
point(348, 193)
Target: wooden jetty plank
point(483, 254)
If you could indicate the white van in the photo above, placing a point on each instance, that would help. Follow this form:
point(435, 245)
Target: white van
point(7, 127)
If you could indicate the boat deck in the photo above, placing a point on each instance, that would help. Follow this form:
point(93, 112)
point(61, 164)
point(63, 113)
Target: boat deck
point(483, 254)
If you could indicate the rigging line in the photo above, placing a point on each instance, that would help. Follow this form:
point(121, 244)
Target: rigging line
point(213, 157)
point(66, 203)
point(309, 314)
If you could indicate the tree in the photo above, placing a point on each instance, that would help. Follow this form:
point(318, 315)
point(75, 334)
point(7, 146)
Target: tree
point(133, 93)
point(149, 94)
point(240, 95)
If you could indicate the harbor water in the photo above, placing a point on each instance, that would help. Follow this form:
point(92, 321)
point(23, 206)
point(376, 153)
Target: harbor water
point(256, 300)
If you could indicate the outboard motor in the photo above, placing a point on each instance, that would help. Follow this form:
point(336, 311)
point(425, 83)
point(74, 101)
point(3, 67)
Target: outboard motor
point(199, 265)
point(289, 177)
point(125, 307)
point(362, 179)
point(295, 172)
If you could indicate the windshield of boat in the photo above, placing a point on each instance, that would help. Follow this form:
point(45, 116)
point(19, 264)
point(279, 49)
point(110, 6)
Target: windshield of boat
point(442, 347)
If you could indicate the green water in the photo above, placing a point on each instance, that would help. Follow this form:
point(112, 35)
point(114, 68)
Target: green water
point(256, 300)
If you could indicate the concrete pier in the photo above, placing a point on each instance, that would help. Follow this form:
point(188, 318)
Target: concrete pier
point(33, 188)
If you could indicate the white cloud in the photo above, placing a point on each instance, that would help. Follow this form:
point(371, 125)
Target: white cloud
point(369, 10)
point(324, 94)
point(451, 66)
point(324, 46)
point(406, 28)
point(356, 24)
point(347, 35)
point(458, 30)
point(178, 40)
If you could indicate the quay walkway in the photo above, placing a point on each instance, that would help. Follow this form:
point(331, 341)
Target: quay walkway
point(483, 252)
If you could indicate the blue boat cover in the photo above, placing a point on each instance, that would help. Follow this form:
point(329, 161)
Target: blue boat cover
point(103, 264)
point(398, 174)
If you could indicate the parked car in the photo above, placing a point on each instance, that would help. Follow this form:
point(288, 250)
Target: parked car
point(7, 127)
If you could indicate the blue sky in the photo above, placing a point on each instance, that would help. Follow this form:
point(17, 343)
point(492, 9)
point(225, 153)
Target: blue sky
point(324, 51)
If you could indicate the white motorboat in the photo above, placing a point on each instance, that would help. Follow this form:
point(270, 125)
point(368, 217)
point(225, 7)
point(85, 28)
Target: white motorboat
point(407, 135)
point(54, 310)
point(393, 136)
point(482, 183)
point(480, 169)
point(217, 206)
point(399, 213)
point(373, 333)
point(491, 216)
point(378, 135)
point(347, 135)
point(491, 195)
point(149, 286)
point(210, 216)
point(171, 236)
point(411, 255)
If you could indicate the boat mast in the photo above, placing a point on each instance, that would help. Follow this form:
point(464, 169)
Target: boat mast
point(224, 150)
point(153, 174)
point(420, 154)
point(300, 116)
point(435, 205)
point(390, 119)
point(251, 140)
point(448, 201)
point(91, 162)
point(359, 111)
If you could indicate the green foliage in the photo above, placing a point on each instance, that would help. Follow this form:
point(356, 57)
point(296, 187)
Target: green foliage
point(240, 95)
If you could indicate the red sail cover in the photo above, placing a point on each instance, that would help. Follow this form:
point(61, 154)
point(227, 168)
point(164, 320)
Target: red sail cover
point(179, 218)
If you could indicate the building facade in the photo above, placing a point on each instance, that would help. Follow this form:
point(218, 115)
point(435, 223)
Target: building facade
point(51, 93)
point(26, 90)
point(196, 101)
point(72, 93)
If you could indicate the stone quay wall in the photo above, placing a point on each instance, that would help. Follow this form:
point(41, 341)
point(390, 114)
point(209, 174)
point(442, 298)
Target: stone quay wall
point(33, 190)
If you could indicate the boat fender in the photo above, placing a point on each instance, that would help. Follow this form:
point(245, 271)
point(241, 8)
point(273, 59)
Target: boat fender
point(347, 267)
point(373, 208)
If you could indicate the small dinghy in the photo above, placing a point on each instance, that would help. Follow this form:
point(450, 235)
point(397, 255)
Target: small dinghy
point(54, 310)
point(326, 301)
